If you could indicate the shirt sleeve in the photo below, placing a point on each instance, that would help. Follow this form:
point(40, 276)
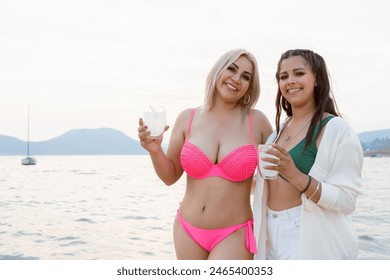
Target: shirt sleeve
point(339, 169)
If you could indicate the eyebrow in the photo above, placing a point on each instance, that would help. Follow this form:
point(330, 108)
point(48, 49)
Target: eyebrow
point(294, 70)
point(239, 68)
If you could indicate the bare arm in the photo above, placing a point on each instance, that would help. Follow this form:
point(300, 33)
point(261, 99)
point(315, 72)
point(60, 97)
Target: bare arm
point(262, 127)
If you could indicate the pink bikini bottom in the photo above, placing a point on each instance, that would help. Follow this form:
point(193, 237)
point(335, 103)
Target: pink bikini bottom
point(209, 238)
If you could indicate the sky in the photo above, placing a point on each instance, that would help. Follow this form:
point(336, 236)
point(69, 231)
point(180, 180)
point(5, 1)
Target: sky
point(92, 64)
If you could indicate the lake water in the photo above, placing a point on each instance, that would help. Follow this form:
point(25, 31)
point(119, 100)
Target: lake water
point(115, 208)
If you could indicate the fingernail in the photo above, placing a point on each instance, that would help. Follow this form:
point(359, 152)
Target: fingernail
point(146, 126)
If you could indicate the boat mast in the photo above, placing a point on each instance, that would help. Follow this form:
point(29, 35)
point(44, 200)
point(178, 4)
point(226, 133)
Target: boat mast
point(28, 131)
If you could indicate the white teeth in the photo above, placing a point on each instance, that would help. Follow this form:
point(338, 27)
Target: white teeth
point(230, 86)
point(293, 90)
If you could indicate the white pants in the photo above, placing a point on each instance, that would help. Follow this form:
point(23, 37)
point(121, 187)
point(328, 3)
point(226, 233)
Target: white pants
point(283, 233)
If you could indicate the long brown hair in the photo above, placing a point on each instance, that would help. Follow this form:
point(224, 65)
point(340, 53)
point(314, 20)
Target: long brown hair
point(323, 96)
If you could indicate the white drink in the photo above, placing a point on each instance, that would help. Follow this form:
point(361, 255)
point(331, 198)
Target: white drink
point(265, 173)
point(155, 119)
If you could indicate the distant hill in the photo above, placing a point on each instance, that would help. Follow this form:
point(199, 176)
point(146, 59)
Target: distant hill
point(376, 143)
point(372, 135)
point(102, 141)
point(108, 141)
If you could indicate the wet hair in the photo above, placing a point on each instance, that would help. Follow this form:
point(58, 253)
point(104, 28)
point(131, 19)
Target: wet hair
point(323, 96)
point(221, 65)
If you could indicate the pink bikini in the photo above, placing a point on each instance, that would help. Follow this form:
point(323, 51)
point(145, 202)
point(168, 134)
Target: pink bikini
point(209, 238)
point(237, 166)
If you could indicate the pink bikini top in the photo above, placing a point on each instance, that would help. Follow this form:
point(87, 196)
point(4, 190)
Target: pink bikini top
point(237, 166)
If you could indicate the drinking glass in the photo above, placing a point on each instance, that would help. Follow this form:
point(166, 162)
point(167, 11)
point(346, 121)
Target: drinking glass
point(155, 118)
point(266, 173)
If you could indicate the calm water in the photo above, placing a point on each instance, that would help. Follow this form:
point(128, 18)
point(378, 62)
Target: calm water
point(115, 207)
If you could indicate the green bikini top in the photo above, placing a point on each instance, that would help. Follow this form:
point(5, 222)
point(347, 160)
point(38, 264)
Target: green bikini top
point(304, 158)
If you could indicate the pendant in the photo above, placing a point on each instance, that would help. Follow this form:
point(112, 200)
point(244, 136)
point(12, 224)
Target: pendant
point(287, 139)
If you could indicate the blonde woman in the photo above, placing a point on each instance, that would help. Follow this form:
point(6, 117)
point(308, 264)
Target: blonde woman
point(216, 146)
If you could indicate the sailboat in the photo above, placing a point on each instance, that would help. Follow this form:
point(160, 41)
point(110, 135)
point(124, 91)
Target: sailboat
point(28, 160)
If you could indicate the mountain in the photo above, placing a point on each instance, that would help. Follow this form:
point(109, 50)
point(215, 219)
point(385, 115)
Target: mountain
point(369, 136)
point(376, 143)
point(107, 141)
point(102, 141)
point(12, 146)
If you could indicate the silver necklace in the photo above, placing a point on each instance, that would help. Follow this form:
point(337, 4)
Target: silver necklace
point(291, 137)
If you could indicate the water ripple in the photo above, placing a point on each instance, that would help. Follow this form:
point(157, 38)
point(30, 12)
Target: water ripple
point(130, 217)
point(146, 253)
point(366, 237)
point(17, 257)
point(67, 238)
point(85, 220)
point(73, 243)
point(22, 233)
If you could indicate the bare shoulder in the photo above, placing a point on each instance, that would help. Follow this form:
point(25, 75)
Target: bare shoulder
point(259, 115)
point(261, 119)
point(261, 125)
point(186, 112)
point(184, 116)
point(182, 121)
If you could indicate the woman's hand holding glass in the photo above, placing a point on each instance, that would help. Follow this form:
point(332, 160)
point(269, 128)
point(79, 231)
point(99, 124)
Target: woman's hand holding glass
point(155, 119)
point(267, 162)
point(152, 127)
point(285, 165)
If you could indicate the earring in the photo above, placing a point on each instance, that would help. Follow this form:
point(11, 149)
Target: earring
point(246, 102)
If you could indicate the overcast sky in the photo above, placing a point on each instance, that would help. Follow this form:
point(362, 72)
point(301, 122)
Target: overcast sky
point(92, 64)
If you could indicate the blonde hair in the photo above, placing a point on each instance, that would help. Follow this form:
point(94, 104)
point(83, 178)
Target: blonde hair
point(221, 65)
